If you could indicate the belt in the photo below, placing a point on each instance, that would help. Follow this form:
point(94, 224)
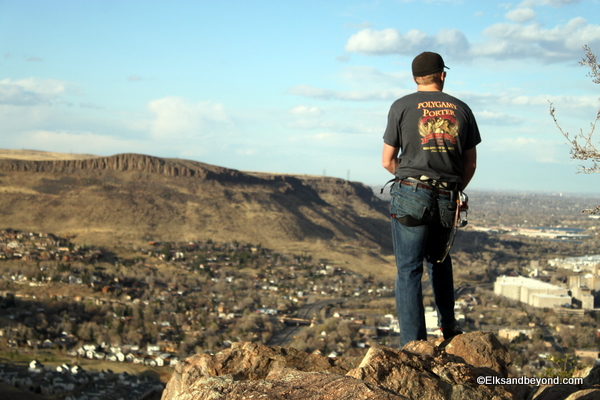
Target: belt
point(413, 183)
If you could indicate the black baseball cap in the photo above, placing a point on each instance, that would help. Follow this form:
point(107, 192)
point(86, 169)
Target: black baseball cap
point(427, 63)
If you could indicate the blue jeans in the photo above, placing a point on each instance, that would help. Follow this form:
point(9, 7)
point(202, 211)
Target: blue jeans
point(412, 246)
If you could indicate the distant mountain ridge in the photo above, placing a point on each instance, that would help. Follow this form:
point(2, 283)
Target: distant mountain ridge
point(119, 162)
point(128, 198)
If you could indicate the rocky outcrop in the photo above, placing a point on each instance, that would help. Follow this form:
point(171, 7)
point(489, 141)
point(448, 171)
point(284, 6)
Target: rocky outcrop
point(119, 162)
point(481, 349)
point(421, 370)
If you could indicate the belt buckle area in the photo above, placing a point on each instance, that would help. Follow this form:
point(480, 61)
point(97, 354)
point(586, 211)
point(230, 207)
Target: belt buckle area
point(435, 183)
point(427, 183)
point(432, 184)
point(415, 180)
point(416, 183)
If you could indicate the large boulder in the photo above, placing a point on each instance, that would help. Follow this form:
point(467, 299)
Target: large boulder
point(424, 370)
point(245, 364)
point(481, 349)
point(284, 384)
point(434, 370)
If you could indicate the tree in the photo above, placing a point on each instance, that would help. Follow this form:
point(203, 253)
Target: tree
point(582, 147)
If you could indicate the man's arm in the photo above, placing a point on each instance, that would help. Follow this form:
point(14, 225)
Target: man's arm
point(389, 158)
point(469, 166)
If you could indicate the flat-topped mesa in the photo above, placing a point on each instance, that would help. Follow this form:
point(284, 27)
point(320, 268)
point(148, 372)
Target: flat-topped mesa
point(172, 167)
point(130, 196)
point(169, 167)
point(119, 162)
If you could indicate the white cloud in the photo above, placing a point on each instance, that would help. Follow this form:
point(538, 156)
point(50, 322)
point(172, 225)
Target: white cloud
point(176, 118)
point(326, 136)
point(569, 101)
point(316, 141)
point(505, 41)
point(542, 151)
point(90, 105)
point(344, 121)
point(519, 108)
point(246, 152)
point(351, 95)
point(361, 25)
point(17, 95)
point(32, 91)
point(513, 98)
point(554, 3)
point(392, 41)
point(486, 117)
point(49, 86)
point(451, 42)
point(386, 41)
point(521, 15)
point(364, 75)
point(310, 124)
point(305, 110)
point(79, 142)
point(515, 41)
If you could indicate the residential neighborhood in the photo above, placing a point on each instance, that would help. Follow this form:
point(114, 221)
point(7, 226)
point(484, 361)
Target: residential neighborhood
point(156, 304)
point(73, 383)
point(163, 302)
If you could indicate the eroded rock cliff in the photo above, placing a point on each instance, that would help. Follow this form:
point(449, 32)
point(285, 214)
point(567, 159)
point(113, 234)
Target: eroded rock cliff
point(119, 162)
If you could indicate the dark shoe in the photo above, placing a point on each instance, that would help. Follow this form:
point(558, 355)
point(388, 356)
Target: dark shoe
point(449, 333)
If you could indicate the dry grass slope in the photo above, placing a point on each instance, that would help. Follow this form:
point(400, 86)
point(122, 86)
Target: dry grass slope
point(130, 198)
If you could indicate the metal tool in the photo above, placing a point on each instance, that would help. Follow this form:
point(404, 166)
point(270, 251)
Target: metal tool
point(460, 221)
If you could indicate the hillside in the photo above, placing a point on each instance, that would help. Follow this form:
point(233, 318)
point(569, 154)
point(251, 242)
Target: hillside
point(130, 198)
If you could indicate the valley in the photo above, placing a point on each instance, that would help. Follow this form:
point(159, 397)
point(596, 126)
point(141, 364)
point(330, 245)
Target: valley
point(134, 260)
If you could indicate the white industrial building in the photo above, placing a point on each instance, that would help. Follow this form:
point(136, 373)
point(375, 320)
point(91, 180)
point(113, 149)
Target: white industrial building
point(531, 291)
point(582, 288)
point(577, 264)
point(511, 334)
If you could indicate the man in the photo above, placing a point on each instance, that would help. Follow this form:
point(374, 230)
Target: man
point(429, 145)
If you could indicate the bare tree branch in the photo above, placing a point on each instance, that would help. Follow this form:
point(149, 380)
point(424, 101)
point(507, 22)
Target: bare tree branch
point(582, 147)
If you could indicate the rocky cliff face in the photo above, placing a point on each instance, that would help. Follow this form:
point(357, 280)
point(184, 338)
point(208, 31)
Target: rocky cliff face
point(119, 162)
point(421, 370)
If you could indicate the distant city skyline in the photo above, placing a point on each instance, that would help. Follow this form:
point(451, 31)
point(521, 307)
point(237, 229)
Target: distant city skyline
point(294, 86)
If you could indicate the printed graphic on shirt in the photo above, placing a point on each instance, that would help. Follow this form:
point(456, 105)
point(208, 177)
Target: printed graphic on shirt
point(438, 126)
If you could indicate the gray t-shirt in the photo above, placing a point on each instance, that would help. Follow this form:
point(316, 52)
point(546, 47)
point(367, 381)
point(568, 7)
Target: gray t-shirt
point(432, 129)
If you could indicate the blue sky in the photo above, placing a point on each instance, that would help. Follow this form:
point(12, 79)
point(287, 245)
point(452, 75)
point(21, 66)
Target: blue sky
point(298, 87)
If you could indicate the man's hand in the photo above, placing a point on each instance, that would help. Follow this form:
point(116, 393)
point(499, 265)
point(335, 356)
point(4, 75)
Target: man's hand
point(469, 165)
point(389, 158)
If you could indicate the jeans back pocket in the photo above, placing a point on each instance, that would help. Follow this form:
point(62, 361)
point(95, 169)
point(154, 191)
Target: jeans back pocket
point(409, 202)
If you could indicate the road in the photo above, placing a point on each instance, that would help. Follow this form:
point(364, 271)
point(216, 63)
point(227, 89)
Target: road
point(285, 336)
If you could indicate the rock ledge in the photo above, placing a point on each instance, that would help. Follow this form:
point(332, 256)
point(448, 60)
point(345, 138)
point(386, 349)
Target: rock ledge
point(437, 370)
